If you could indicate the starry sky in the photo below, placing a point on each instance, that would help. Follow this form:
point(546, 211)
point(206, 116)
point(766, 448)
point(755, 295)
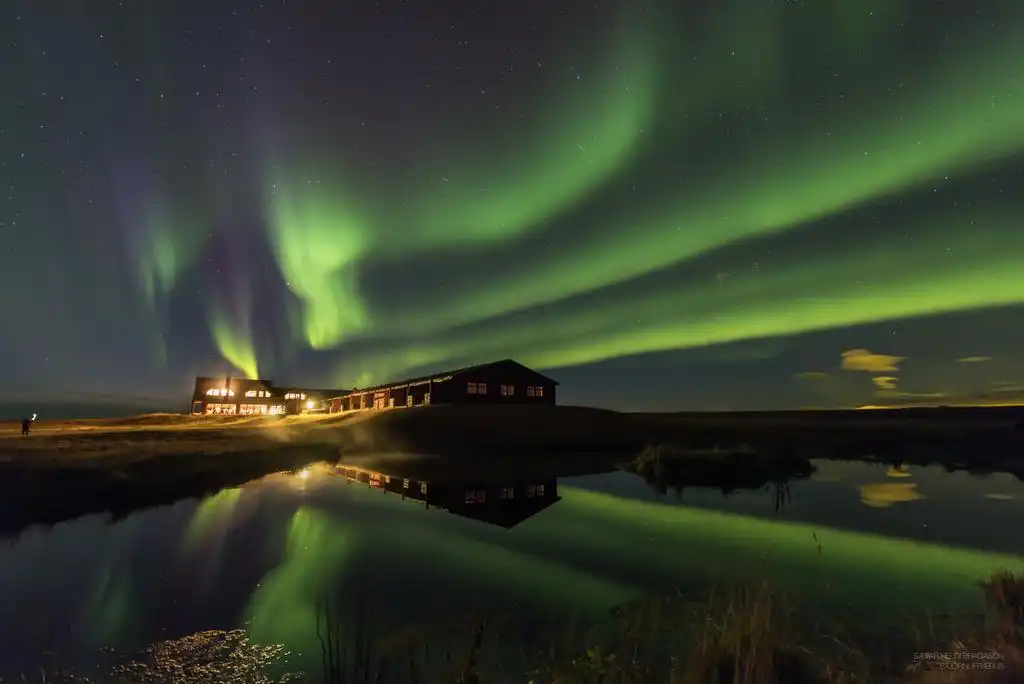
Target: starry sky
point(665, 205)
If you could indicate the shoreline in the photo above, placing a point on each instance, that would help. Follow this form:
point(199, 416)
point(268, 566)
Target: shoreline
point(67, 469)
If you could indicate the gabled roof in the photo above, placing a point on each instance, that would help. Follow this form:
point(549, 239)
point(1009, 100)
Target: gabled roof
point(448, 373)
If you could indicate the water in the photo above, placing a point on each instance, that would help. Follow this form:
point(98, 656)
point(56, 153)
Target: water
point(856, 536)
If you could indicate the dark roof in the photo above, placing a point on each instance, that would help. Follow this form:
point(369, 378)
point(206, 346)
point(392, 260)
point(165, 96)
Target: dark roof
point(312, 390)
point(457, 371)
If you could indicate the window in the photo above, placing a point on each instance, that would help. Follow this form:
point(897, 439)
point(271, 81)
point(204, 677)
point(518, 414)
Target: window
point(508, 390)
point(253, 393)
point(212, 392)
point(535, 391)
point(471, 388)
point(481, 388)
point(531, 491)
point(508, 493)
point(540, 490)
point(529, 392)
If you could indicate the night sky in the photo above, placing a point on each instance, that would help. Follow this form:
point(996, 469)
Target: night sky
point(666, 205)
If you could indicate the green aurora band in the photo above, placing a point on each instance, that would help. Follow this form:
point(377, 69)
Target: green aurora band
point(865, 281)
point(786, 170)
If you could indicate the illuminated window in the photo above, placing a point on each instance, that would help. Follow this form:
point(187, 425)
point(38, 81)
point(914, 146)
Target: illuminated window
point(470, 496)
point(540, 490)
point(508, 493)
point(471, 388)
point(423, 488)
point(481, 388)
point(508, 390)
point(529, 392)
point(538, 391)
point(212, 391)
point(476, 496)
point(253, 393)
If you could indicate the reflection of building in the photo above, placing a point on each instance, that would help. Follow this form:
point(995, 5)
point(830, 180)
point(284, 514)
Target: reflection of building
point(504, 505)
point(238, 396)
point(498, 382)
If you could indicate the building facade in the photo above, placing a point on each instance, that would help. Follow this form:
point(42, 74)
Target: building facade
point(227, 396)
point(499, 382)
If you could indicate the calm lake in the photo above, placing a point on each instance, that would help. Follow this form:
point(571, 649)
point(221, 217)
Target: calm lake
point(858, 537)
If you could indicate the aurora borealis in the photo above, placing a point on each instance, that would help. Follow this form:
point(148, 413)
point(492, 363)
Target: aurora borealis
point(741, 204)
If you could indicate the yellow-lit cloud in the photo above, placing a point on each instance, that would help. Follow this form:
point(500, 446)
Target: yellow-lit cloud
point(884, 382)
point(867, 361)
point(975, 359)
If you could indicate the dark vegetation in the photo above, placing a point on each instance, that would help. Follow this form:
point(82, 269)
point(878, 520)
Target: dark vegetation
point(727, 635)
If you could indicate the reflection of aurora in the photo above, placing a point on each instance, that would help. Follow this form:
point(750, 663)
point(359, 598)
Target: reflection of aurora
point(590, 552)
point(585, 555)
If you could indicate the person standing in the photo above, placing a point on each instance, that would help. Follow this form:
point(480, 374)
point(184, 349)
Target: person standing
point(26, 424)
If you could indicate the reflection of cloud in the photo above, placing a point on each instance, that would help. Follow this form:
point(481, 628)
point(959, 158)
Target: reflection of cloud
point(885, 382)
point(811, 375)
point(999, 497)
point(900, 471)
point(975, 359)
point(885, 494)
point(867, 361)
